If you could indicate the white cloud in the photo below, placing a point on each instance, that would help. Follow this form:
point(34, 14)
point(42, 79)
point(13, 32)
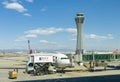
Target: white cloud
point(15, 6)
point(74, 39)
point(30, 1)
point(14, 0)
point(110, 36)
point(44, 41)
point(22, 38)
point(43, 9)
point(94, 36)
point(25, 37)
point(5, 2)
point(47, 42)
point(91, 36)
point(27, 14)
point(46, 31)
point(31, 36)
point(72, 30)
point(51, 30)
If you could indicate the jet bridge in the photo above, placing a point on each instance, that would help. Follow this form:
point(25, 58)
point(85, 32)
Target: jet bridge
point(91, 60)
point(97, 60)
point(100, 57)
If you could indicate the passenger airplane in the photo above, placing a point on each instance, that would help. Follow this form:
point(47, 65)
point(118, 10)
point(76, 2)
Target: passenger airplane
point(61, 60)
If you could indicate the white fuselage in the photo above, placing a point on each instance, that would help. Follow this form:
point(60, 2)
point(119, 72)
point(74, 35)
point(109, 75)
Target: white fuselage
point(61, 60)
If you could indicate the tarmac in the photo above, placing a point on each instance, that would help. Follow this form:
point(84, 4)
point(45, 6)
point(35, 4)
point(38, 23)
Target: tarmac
point(18, 61)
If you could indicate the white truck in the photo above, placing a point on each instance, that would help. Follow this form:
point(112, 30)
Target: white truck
point(40, 64)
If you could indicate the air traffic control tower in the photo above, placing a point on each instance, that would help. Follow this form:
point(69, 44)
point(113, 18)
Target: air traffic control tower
point(79, 48)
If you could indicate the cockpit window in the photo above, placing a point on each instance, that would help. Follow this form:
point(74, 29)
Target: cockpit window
point(64, 58)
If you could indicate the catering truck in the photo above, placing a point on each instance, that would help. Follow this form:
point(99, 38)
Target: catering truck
point(40, 64)
point(46, 62)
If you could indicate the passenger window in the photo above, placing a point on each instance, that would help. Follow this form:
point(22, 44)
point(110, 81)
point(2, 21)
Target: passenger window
point(64, 58)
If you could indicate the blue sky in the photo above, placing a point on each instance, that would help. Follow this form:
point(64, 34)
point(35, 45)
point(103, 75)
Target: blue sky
point(50, 24)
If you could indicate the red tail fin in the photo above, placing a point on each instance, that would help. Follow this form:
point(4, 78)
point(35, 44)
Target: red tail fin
point(115, 51)
point(30, 51)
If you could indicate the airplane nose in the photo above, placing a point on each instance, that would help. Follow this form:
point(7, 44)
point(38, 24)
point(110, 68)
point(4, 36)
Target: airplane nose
point(67, 62)
point(64, 63)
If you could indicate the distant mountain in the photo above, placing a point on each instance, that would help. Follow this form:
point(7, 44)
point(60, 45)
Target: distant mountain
point(36, 50)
